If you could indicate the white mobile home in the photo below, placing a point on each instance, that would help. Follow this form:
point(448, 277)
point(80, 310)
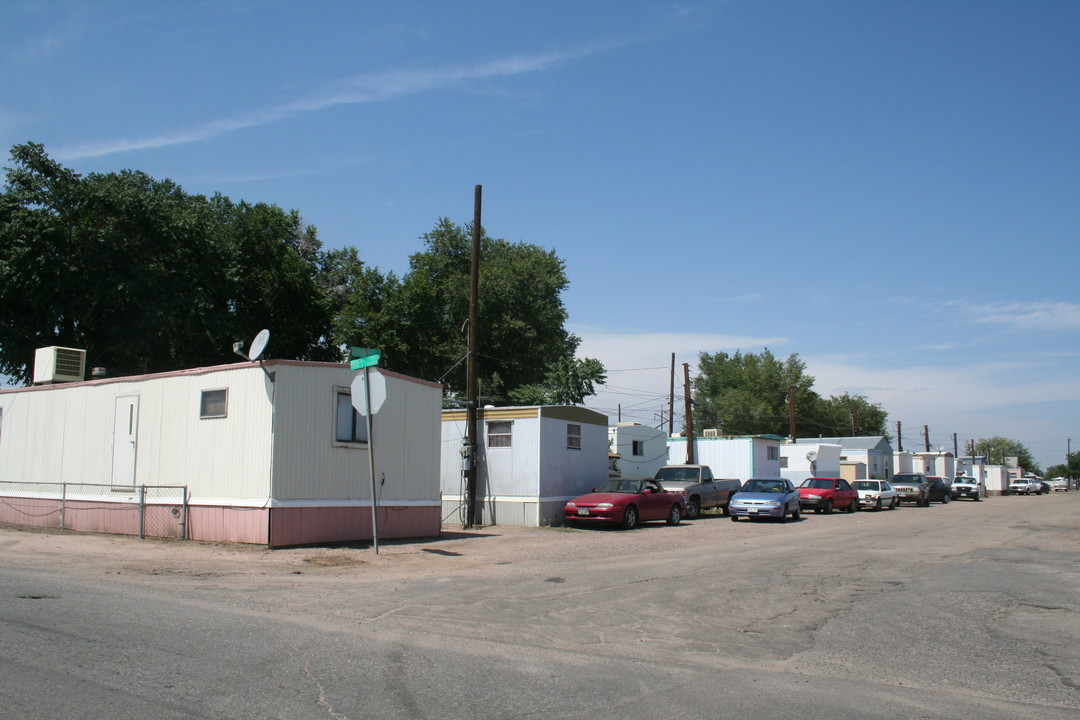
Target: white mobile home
point(275, 456)
point(799, 461)
point(642, 449)
point(531, 461)
point(937, 464)
point(731, 457)
point(873, 450)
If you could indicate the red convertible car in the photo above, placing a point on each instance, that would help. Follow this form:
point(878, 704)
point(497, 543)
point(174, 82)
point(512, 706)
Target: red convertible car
point(823, 494)
point(626, 502)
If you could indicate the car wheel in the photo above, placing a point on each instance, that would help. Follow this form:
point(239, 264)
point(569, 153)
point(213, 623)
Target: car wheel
point(852, 506)
point(629, 518)
point(796, 513)
point(674, 516)
point(726, 509)
point(734, 518)
point(693, 508)
point(828, 507)
point(877, 506)
point(945, 500)
point(783, 514)
point(977, 498)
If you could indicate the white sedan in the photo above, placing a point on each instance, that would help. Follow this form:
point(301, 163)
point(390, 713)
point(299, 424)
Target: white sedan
point(875, 494)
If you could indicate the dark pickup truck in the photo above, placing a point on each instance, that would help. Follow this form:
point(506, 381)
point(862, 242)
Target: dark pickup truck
point(697, 484)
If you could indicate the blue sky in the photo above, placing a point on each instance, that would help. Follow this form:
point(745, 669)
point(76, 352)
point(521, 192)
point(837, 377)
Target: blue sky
point(891, 190)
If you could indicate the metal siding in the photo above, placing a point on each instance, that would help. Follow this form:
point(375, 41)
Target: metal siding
point(308, 464)
point(565, 472)
point(65, 434)
point(622, 442)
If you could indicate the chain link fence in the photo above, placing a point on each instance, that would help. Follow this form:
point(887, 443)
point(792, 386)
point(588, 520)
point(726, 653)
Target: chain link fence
point(144, 510)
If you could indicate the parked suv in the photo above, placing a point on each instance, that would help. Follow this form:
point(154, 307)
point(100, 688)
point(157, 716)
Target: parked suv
point(939, 489)
point(911, 487)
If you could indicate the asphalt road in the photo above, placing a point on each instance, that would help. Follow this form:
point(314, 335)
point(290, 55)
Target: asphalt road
point(966, 610)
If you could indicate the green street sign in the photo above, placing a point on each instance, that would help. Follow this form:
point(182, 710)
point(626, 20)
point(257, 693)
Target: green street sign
point(365, 357)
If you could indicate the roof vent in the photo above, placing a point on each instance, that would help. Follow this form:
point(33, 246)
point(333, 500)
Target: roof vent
point(710, 433)
point(59, 365)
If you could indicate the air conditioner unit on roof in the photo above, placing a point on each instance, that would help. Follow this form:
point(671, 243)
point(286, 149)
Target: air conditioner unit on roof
point(59, 364)
point(710, 433)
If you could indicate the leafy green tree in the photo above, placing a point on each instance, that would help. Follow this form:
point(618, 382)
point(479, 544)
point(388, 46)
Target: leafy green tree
point(1068, 470)
point(421, 320)
point(842, 416)
point(747, 394)
point(997, 449)
point(568, 382)
point(146, 277)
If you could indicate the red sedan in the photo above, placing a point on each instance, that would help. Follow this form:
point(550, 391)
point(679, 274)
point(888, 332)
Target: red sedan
point(823, 494)
point(626, 502)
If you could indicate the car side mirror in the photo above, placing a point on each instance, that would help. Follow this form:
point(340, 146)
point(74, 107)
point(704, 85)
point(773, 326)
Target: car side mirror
point(647, 491)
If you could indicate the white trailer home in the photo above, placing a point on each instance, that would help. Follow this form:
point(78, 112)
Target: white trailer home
point(531, 461)
point(275, 456)
point(873, 450)
point(731, 457)
point(799, 461)
point(642, 449)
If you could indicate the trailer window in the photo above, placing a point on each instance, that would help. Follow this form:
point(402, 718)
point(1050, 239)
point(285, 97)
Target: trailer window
point(573, 436)
point(499, 433)
point(214, 403)
point(350, 426)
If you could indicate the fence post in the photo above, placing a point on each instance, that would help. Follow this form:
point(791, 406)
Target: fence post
point(142, 512)
point(63, 503)
point(183, 515)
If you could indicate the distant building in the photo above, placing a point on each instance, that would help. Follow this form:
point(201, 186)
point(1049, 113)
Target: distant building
point(740, 457)
point(641, 450)
point(872, 450)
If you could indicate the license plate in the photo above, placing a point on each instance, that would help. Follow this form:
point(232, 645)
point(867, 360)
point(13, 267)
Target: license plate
point(583, 511)
point(752, 511)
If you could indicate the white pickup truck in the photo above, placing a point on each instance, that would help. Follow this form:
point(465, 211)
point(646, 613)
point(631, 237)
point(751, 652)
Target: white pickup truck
point(964, 486)
point(697, 484)
point(1025, 486)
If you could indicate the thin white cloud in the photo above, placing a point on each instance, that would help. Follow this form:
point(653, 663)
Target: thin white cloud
point(361, 89)
point(1046, 315)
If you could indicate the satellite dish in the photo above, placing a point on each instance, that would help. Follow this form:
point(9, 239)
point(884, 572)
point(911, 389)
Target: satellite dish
point(812, 455)
point(258, 345)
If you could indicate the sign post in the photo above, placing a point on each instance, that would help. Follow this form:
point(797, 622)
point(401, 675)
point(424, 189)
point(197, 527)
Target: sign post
point(368, 394)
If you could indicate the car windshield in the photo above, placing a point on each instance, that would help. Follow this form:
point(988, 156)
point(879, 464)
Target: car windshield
point(763, 486)
point(819, 483)
point(865, 485)
point(621, 486)
point(677, 473)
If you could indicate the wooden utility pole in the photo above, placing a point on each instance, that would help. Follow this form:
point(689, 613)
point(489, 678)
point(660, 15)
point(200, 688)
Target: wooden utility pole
point(926, 436)
point(472, 393)
point(689, 416)
point(671, 400)
point(955, 447)
point(791, 412)
point(899, 438)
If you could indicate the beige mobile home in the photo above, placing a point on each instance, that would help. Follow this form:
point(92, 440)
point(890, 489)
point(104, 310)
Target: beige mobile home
point(271, 455)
